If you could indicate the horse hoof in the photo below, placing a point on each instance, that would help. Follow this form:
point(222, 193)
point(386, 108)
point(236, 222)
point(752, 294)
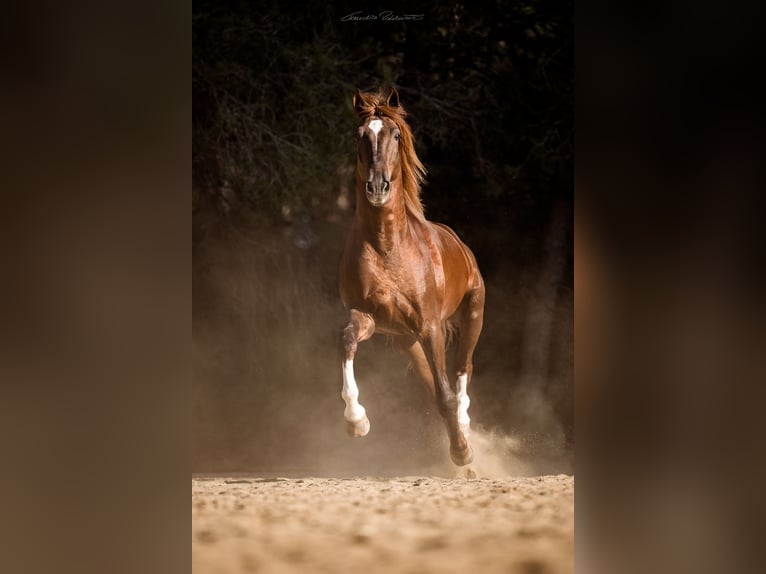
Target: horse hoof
point(359, 428)
point(462, 458)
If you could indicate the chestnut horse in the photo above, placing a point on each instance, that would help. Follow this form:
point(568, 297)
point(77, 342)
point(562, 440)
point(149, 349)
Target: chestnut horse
point(404, 276)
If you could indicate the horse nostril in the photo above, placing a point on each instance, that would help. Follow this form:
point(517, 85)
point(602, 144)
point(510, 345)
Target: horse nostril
point(368, 186)
point(386, 185)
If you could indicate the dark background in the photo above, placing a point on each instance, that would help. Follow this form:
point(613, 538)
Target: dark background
point(489, 92)
point(94, 363)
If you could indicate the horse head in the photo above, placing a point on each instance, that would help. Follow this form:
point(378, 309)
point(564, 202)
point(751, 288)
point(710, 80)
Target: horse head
point(378, 149)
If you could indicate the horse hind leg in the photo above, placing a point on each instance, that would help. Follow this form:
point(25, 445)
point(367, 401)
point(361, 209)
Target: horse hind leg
point(433, 344)
point(470, 321)
point(360, 328)
point(420, 367)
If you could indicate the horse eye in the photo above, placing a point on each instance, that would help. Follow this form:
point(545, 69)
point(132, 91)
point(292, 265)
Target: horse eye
point(397, 135)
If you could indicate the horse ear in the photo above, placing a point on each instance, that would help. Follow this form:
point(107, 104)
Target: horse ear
point(357, 102)
point(393, 98)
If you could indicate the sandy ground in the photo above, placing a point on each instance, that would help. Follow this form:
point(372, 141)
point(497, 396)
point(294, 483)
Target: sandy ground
point(370, 525)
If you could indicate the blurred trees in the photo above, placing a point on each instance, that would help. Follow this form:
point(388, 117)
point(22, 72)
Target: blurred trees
point(489, 88)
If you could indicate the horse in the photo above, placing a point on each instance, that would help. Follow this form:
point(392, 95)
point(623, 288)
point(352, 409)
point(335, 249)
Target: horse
point(404, 276)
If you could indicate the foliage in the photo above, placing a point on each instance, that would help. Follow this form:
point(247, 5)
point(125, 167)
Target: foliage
point(488, 88)
point(267, 110)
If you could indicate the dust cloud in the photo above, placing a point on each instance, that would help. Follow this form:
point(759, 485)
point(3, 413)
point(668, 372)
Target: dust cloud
point(267, 379)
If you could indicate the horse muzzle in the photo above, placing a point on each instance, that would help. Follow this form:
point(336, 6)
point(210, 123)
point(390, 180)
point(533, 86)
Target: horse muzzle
point(378, 192)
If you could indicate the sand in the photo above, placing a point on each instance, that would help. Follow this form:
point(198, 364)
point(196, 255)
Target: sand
point(370, 525)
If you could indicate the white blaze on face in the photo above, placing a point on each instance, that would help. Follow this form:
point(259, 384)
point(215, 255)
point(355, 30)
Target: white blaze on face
point(354, 411)
point(375, 126)
point(462, 403)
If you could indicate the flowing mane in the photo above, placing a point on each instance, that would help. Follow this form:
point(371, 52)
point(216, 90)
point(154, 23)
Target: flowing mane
point(413, 171)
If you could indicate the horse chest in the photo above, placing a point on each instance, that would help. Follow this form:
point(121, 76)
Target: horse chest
point(393, 288)
point(396, 310)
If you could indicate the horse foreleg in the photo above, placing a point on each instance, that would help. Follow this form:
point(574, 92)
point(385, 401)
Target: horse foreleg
point(446, 401)
point(360, 327)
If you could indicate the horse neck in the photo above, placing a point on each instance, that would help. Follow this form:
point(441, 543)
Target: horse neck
point(384, 227)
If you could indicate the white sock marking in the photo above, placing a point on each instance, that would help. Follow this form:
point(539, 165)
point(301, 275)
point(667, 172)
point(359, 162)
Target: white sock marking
point(375, 126)
point(462, 403)
point(354, 411)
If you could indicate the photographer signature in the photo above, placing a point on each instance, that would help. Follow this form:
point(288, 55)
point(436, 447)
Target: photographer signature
point(386, 16)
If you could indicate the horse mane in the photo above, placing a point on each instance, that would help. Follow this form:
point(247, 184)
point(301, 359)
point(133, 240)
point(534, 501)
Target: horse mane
point(369, 105)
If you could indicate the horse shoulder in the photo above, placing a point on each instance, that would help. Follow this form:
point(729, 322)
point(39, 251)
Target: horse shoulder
point(455, 245)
